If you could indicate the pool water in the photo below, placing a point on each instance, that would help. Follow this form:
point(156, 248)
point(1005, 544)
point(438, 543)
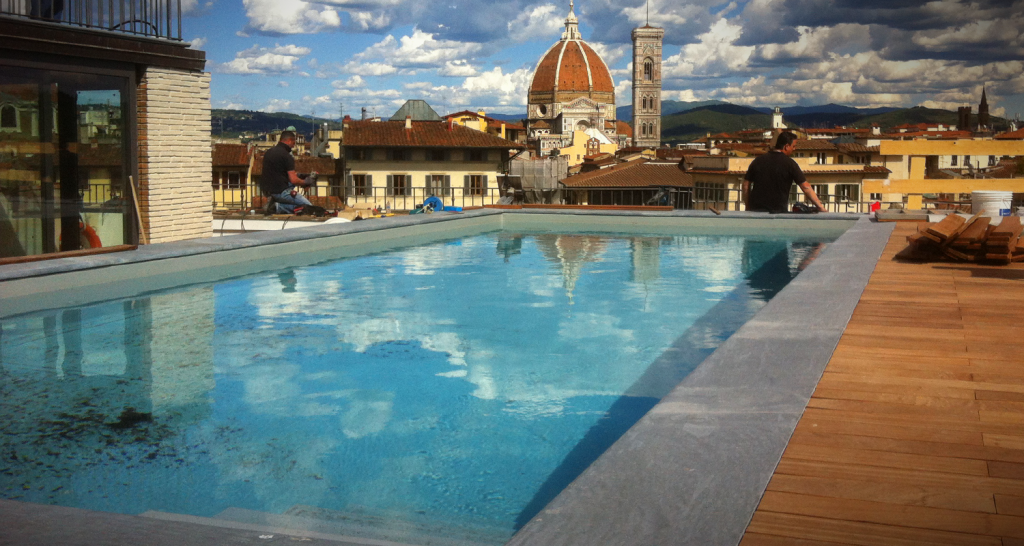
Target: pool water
point(447, 390)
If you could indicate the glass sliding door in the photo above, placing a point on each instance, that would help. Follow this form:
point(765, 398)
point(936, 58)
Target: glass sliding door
point(64, 138)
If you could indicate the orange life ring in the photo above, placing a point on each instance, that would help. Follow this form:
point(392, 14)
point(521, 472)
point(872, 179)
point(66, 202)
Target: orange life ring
point(88, 236)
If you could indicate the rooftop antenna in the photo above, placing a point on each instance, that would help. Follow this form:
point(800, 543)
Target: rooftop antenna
point(648, 12)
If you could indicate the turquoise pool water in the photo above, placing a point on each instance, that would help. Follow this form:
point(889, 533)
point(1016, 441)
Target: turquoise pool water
point(450, 389)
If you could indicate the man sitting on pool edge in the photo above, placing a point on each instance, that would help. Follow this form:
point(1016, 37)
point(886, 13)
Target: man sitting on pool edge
point(769, 177)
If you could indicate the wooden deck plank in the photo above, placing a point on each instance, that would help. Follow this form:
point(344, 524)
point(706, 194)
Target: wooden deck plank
point(912, 477)
point(890, 493)
point(857, 532)
point(915, 431)
point(921, 517)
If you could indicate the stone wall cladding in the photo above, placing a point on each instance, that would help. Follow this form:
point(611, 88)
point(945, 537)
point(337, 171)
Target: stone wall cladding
point(175, 151)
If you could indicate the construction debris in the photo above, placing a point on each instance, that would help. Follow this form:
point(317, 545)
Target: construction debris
point(977, 239)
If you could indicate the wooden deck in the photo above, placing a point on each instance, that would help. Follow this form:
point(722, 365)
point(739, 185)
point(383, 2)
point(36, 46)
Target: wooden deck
point(915, 434)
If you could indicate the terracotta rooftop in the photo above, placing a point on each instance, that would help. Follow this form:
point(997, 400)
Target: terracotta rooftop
point(814, 145)
point(491, 122)
point(1015, 135)
point(868, 169)
point(225, 155)
point(853, 148)
point(623, 128)
point(634, 174)
point(939, 135)
point(423, 134)
point(834, 130)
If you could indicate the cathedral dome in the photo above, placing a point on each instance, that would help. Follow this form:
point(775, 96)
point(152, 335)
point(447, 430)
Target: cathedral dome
point(571, 69)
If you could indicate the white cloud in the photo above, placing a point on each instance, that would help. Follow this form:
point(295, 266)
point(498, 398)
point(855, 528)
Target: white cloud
point(714, 55)
point(369, 69)
point(536, 23)
point(611, 54)
point(277, 105)
point(197, 43)
point(282, 84)
point(353, 82)
point(369, 21)
point(289, 17)
point(458, 68)
point(420, 50)
point(505, 89)
point(262, 60)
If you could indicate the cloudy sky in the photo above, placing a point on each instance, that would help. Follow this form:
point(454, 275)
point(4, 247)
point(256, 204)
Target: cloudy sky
point(327, 57)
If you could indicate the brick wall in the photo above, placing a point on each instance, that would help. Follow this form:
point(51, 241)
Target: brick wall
point(175, 165)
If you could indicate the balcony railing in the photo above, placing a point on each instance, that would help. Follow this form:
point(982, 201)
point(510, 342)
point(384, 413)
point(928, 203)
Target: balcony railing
point(150, 18)
point(243, 197)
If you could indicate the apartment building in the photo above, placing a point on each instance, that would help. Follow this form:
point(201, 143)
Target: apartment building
point(398, 164)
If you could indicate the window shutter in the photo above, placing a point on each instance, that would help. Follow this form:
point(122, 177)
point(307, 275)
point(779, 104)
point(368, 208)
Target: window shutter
point(426, 185)
point(465, 184)
point(369, 181)
point(391, 185)
point(348, 180)
point(447, 185)
point(485, 184)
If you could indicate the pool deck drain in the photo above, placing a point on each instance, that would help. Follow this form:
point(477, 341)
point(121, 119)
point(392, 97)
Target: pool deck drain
point(690, 472)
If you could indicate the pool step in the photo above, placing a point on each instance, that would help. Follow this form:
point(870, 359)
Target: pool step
point(355, 525)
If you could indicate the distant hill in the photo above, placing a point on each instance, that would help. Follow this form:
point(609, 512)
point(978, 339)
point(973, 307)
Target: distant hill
point(233, 123)
point(917, 114)
point(790, 111)
point(692, 124)
point(668, 107)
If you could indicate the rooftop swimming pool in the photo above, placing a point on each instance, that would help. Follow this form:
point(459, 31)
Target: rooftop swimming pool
point(445, 390)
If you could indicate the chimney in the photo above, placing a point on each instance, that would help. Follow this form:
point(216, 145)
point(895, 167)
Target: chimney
point(451, 124)
point(408, 122)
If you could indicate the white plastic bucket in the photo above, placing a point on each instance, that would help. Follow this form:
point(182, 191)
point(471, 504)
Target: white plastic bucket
point(991, 203)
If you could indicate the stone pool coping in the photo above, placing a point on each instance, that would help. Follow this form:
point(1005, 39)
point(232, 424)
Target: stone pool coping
point(694, 468)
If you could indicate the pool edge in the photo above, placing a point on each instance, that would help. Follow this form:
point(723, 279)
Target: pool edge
point(693, 470)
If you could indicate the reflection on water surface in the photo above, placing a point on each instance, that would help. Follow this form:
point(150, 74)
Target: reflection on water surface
point(452, 388)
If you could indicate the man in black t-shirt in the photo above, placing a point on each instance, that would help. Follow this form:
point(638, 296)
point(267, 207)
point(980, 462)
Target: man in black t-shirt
point(279, 179)
point(769, 177)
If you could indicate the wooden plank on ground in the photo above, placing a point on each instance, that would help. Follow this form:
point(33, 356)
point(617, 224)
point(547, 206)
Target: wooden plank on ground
point(921, 517)
point(889, 493)
point(857, 532)
point(950, 465)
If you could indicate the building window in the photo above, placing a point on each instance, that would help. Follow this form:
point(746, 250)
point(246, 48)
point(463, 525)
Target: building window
point(360, 184)
point(356, 154)
point(398, 184)
point(822, 158)
point(991, 161)
point(876, 197)
point(648, 69)
point(475, 155)
point(847, 192)
point(439, 185)
point(967, 161)
point(476, 184)
point(952, 161)
point(234, 179)
point(437, 155)
point(400, 155)
point(216, 180)
point(9, 118)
